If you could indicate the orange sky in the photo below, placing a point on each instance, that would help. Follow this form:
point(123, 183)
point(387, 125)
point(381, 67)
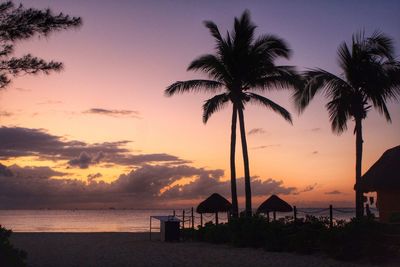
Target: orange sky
point(125, 55)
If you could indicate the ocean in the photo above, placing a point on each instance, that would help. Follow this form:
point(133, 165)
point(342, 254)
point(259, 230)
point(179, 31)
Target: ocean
point(120, 220)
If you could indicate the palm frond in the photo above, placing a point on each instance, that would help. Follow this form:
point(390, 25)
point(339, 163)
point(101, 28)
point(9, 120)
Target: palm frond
point(345, 59)
point(211, 65)
point(193, 86)
point(271, 47)
point(381, 45)
point(278, 77)
point(318, 80)
point(213, 28)
point(243, 33)
point(258, 99)
point(213, 105)
point(339, 113)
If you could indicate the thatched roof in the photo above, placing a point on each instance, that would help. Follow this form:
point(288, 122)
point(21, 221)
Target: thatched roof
point(384, 174)
point(274, 203)
point(214, 203)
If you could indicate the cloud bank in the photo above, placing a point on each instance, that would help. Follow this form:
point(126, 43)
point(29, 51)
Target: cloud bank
point(143, 187)
point(20, 142)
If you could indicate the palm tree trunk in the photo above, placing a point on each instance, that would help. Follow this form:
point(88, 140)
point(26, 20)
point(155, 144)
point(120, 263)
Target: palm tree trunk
point(235, 210)
point(245, 163)
point(359, 149)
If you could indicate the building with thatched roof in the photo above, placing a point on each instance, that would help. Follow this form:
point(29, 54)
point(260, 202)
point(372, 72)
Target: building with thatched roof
point(214, 204)
point(384, 178)
point(274, 204)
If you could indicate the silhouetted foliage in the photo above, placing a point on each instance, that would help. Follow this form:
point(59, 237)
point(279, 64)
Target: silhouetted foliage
point(10, 256)
point(370, 78)
point(363, 239)
point(241, 67)
point(19, 23)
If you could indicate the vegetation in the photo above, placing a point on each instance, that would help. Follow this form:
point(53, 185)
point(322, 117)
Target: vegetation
point(241, 67)
point(355, 240)
point(370, 78)
point(19, 23)
point(10, 256)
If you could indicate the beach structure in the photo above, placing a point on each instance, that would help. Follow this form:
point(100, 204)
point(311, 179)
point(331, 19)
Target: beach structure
point(384, 178)
point(214, 204)
point(169, 227)
point(274, 204)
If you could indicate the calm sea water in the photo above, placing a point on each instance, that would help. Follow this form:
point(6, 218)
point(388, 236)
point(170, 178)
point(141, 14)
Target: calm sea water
point(116, 220)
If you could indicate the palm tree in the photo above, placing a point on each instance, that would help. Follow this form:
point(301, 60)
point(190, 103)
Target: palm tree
point(240, 66)
point(370, 77)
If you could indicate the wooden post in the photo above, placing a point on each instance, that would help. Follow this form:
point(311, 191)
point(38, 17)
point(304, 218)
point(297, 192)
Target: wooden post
point(183, 219)
point(216, 218)
point(268, 216)
point(330, 216)
point(192, 219)
point(173, 213)
point(201, 219)
point(274, 215)
point(294, 213)
point(150, 227)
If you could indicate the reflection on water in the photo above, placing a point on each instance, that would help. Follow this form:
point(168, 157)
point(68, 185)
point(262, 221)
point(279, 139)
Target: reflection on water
point(78, 220)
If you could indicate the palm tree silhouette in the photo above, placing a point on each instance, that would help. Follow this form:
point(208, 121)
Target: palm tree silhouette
point(370, 78)
point(240, 66)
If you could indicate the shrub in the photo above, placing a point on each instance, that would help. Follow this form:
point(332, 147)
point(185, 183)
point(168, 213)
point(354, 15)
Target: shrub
point(10, 256)
point(356, 240)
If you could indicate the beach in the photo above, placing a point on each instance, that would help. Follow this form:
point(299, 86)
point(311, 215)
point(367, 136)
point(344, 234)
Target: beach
point(135, 249)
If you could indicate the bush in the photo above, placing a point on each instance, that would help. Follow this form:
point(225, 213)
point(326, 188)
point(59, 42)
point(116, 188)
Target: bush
point(10, 256)
point(355, 240)
point(358, 239)
point(213, 233)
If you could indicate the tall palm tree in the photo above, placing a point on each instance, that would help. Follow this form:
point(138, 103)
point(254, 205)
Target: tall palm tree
point(370, 77)
point(240, 66)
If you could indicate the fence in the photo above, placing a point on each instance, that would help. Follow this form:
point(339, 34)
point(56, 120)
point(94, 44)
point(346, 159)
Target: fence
point(191, 219)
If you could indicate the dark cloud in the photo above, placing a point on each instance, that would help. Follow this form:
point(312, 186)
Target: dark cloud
point(256, 131)
point(315, 129)
point(308, 188)
point(22, 89)
point(334, 192)
point(83, 161)
point(92, 177)
point(144, 186)
point(205, 185)
point(34, 171)
point(113, 112)
point(6, 114)
point(266, 146)
point(315, 152)
point(19, 142)
point(4, 171)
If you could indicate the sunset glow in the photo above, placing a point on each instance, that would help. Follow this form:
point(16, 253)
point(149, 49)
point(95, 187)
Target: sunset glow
point(105, 123)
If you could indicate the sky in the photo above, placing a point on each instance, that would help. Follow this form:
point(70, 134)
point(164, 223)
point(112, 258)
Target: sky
point(101, 133)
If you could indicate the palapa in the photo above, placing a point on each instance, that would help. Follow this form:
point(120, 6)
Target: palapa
point(214, 204)
point(274, 204)
point(384, 174)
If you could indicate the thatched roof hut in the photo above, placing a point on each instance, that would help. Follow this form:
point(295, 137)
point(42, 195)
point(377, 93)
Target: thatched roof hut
point(384, 174)
point(274, 204)
point(214, 204)
point(384, 178)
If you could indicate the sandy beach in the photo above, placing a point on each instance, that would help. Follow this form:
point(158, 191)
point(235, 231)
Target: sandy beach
point(135, 249)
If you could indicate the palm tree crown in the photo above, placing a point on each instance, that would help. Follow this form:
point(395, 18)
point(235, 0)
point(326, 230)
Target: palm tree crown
point(371, 77)
point(241, 66)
